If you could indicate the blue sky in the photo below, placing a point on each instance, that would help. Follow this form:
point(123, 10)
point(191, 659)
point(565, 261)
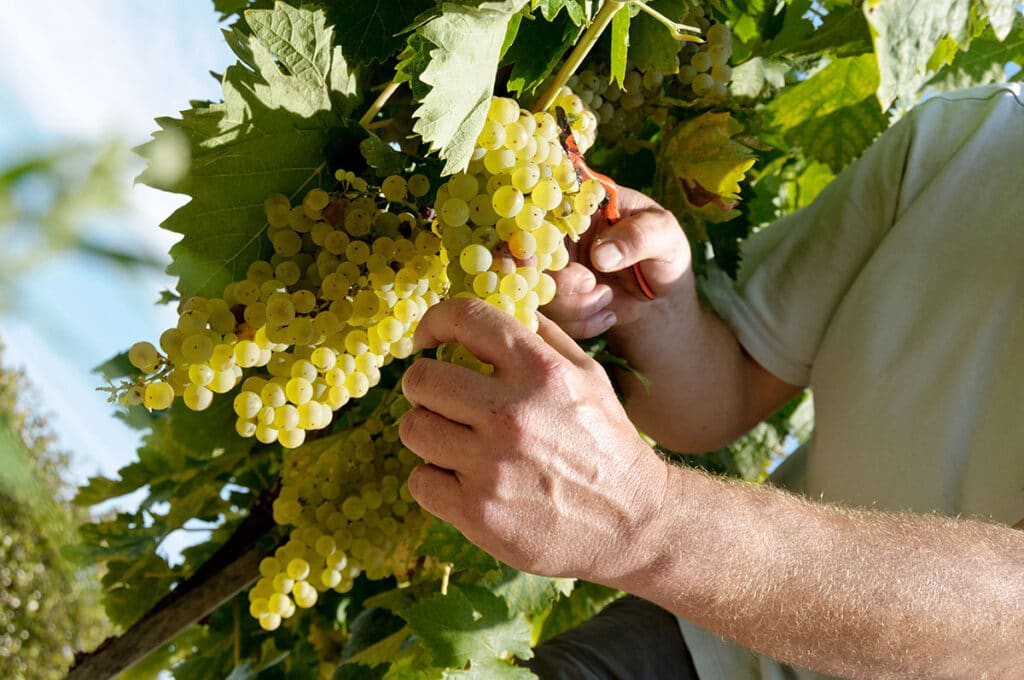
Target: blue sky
point(93, 71)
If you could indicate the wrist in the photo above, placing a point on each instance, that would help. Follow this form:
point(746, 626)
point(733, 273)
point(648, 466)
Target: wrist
point(641, 545)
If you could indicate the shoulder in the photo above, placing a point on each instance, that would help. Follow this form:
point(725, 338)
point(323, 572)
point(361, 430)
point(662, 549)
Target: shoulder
point(950, 118)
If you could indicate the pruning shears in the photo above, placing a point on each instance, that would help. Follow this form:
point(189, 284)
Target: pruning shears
point(610, 205)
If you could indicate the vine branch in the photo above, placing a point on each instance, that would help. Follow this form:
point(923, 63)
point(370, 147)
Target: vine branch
point(593, 33)
point(230, 570)
point(378, 104)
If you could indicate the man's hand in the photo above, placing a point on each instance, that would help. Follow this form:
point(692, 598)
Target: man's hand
point(536, 463)
point(701, 390)
point(598, 290)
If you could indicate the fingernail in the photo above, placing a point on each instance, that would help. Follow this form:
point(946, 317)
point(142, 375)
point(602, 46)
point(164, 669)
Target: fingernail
point(606, 256)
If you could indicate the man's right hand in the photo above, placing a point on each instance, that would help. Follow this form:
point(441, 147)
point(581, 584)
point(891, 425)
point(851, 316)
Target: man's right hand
point(597, 290)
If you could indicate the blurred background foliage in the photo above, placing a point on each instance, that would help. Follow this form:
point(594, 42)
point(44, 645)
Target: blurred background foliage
point(50, 606)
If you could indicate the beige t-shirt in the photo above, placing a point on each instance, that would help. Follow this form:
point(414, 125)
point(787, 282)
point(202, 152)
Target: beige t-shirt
point(898, 295)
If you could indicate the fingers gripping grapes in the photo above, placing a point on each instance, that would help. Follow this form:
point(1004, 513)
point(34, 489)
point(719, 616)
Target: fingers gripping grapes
point(598, 290)
point(536, 463)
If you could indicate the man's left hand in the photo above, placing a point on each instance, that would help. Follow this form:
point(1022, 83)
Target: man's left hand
point(537, 463)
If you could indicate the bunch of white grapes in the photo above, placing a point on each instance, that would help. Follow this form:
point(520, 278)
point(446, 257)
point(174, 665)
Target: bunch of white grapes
point(702, 72)
point(353, 271)
point(503, 223)
point(621, 111)
point(705, 67)
point(351, 513)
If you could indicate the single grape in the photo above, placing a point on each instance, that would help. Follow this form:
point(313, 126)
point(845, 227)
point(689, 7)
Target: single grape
point(144, 356)
point(703, 85)
point(395, 188)
point(419, 185)
point(508, 201)
point(159, 395)
point(701, 61)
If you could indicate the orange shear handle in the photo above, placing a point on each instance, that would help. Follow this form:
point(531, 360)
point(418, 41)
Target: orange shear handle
point(610, 207)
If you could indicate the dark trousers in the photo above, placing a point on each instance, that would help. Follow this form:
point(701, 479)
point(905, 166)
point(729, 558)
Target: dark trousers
point(631, 639)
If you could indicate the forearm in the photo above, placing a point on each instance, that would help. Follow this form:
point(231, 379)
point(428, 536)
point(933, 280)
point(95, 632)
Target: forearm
point(856, 594)
point(693, 392)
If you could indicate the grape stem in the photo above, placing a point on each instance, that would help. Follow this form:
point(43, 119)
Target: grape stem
point(593, 33)
point(445, 576)
point(378, 104)
point(678, 30)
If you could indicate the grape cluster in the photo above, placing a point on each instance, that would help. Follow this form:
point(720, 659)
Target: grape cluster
point(706, 67)
point(622, 111)
point(504, 221)
point(352, 273)
point(351, 513)
point(702, 72)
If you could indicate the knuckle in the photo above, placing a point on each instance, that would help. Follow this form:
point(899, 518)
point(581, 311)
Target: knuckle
point(636, 237)
point(512, 419)
point(409, 429)
point(597, 372)
point(468, 309)
point(413, 378)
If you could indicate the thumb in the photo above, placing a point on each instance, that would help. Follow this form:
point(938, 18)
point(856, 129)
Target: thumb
point(653, 235)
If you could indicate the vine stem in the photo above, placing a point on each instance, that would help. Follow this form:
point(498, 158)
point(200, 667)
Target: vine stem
point(378, 104)
point(579, 53)
point(678, 30)
point(227, 572)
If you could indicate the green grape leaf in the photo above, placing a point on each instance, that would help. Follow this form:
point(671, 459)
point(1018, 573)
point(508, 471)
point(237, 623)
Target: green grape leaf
point(620, 45)
point(757, 77)
point(537, 51)
point(117, 366)
point(468, 624)
point(412, 663)
point(984, 62)
point(843, 32)
point(905, 35)
point(1002, 14)
point(412, 62)
point(652, 46)
point(511, 33)
point(290, 85)
point(794, 29)
point(447, 544)
point(99, 489)
point(228, 7)
point(707, 164)
point(133, 587)
point(489, 669)
point(576, 10)
point(528, 593)
point(460, 70)
point(832, 116)
point(381, 157)
point(370, 30)
point(382, 651)
point(585, 601)
point(437, 58)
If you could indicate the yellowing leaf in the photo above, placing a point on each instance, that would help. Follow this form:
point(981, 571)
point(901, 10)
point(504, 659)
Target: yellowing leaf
point(708, 164)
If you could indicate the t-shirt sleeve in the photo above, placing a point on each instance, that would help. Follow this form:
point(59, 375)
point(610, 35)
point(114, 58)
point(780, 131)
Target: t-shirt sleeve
point(795, 272)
